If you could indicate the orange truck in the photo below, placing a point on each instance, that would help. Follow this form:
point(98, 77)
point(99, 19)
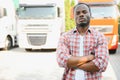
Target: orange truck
point(104, 18)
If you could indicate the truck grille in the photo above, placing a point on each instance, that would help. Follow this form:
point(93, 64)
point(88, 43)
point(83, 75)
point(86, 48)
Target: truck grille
point(36, 27)
point(37, 39)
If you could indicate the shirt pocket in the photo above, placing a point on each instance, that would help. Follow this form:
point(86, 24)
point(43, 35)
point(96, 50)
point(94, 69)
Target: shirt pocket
point(74, 48)
point(90, 46)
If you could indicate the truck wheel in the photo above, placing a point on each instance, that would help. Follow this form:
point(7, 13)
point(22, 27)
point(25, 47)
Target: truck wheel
point(28, 49)
point(8, 43)
point(112, 51)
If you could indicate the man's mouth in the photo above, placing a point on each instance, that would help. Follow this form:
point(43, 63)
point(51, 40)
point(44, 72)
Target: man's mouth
point(82, 20)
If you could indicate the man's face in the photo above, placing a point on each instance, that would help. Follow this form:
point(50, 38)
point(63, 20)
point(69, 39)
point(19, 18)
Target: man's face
point(82, 15)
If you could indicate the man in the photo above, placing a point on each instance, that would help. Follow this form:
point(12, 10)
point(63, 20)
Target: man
point(82, 51)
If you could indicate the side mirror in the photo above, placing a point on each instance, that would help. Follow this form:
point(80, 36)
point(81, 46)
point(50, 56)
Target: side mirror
point(1, 12)
point(60, 12)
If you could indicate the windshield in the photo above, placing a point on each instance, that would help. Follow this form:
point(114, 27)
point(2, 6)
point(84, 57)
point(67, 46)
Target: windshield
point(39, 12)
point(103, 11)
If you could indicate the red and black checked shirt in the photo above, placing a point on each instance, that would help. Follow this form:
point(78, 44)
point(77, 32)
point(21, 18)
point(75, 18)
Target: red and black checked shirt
point(69, 45)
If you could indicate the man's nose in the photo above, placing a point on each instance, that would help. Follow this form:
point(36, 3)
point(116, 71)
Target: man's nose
point(81, 15)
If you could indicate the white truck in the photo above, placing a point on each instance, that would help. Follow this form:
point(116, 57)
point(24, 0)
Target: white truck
point(40, 23)
point(8, 22)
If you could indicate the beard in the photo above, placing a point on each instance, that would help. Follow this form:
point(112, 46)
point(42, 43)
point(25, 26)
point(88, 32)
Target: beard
point(84, 24)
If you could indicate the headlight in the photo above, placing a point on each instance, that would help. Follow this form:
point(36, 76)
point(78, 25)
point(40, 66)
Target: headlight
point(103, 28)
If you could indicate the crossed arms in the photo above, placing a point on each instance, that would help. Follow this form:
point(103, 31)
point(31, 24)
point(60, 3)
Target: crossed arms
point(82, 62)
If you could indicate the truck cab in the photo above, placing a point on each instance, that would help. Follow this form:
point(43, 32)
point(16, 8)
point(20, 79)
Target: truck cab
point(8, 22)
point(39, 24)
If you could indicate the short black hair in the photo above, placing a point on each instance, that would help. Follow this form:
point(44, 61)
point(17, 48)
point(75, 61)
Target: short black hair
point(80, 4)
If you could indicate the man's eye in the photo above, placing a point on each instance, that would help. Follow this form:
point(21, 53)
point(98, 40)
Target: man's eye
point(77, 13)
point(84, 12)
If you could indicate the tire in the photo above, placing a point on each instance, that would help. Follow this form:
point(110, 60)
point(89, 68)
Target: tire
point(8, 43)
point(28, 50)
point(112, 51)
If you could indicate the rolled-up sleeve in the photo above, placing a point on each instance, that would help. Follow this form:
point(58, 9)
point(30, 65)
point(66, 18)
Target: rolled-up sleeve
point(101, 54)
point(63, 51)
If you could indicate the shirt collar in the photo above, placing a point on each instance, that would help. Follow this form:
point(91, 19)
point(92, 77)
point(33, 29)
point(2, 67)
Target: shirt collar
point(76, 31)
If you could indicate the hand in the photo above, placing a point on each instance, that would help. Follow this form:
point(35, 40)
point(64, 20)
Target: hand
point(85, 59)
point(90, 57)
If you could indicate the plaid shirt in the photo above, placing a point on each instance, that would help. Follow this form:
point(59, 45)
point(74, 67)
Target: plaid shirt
point(93, 41)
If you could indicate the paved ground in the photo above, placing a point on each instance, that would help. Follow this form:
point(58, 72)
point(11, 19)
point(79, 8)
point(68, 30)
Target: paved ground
point(35, 66)
point(109, 74)
point(31, 66)
point(115, 63)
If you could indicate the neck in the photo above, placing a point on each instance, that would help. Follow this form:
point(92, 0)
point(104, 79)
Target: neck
point(82, 30)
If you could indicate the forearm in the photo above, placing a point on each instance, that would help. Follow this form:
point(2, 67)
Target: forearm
point(89, 66)
point(76, 61)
